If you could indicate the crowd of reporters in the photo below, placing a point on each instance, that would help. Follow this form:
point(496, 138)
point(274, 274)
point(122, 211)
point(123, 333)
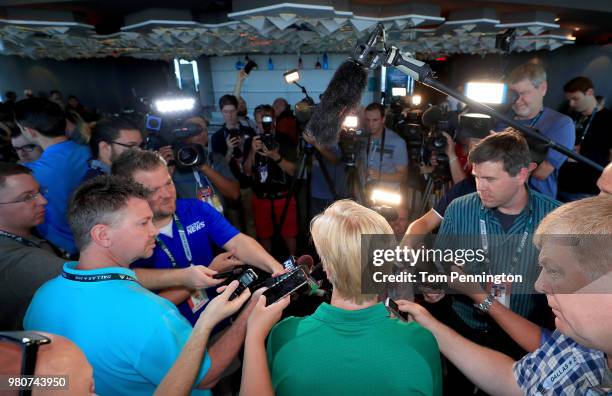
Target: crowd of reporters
point(116, 248)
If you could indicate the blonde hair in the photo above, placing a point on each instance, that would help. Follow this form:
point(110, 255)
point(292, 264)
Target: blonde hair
point(533, 72)
point(336, 234)
point(586, 225)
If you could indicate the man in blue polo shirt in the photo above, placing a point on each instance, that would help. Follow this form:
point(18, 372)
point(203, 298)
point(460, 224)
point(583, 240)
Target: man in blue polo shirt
point(529, 83)
point(188, 230)
point(131, 336)
point(59, 170)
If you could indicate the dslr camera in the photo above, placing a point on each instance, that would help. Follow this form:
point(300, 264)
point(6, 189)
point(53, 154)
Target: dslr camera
point(267, 138)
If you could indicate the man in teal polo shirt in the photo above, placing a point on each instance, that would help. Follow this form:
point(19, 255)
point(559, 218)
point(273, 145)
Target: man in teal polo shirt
point(351, 346)
point(130, 336)
point(498, 219)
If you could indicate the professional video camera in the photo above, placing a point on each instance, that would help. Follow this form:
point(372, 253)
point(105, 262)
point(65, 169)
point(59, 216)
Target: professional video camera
point(166, 126)
point(351, 139)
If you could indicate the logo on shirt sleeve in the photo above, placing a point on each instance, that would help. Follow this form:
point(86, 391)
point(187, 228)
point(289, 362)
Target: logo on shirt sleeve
point(197, 226)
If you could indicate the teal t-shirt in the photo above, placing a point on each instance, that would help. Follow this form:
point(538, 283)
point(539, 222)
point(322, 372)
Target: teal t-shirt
point(131, 336)
point(362, 352)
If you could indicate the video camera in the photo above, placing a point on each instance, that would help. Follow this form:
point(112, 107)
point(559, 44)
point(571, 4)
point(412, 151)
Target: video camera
point(166, 126)
point(351, 140)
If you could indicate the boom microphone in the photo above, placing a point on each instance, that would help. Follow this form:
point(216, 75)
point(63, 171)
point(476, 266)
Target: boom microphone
point(342, 94)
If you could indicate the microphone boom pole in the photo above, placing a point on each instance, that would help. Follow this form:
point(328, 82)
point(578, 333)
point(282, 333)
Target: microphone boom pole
point(421, 72)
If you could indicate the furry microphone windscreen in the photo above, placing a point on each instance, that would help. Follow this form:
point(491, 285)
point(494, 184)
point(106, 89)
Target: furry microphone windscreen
point(342, 94)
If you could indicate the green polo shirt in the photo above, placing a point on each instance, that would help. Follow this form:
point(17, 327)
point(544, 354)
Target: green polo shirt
point(461, 229)
point(363, 352)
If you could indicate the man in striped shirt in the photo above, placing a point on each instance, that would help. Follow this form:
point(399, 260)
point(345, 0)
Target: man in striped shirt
point(498, 219)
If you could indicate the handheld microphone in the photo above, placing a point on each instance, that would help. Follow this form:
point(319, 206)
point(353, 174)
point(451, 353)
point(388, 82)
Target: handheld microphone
point(342, 94)
point(305, 261)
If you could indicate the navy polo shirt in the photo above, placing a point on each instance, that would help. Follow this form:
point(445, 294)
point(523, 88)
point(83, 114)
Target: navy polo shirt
point(204, 226)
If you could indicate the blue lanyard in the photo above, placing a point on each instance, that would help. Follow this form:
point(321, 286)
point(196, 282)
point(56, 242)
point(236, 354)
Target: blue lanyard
point(536, 119)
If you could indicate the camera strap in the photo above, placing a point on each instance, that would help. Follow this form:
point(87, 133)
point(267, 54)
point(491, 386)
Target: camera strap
point(380, 153)
point(184, 242)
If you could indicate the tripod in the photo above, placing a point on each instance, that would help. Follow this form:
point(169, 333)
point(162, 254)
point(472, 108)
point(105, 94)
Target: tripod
point(305, 157)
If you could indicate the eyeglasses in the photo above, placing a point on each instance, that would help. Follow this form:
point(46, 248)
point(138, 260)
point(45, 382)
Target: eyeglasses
point(129, 146)
point(29, 197)
point(29, 342)
point(28, 148)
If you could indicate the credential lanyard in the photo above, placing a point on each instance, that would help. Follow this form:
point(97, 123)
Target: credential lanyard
point(98, 277)
point(536, 119)
point(19, 239)
point(184, 242)
point(198, 179)
point(587, 126)
point(485, 242)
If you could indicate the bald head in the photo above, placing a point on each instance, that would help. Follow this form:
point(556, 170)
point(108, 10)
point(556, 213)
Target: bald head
point(604, 183)
point(279, 105)
point(60, 357)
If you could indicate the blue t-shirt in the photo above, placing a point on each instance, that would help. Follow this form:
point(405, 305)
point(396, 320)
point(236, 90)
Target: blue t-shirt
point(204, 226)
point(560, 129)
point(395, 154)
point(60, 169)
point(131, 336)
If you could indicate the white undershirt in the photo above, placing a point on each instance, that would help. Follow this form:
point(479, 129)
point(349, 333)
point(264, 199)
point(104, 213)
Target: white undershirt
point(167, 230)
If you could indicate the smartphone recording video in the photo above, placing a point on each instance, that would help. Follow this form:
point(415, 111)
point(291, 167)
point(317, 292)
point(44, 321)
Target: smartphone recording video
point(247, 278)
point(285, 285)
point(394, 309)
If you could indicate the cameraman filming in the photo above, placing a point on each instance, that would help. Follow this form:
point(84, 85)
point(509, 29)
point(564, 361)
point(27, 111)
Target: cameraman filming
point(271, 164)
point(387, 163)
point(209, 177)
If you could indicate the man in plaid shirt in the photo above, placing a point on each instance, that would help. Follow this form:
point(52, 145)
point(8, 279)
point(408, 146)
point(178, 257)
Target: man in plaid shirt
point(575, 243)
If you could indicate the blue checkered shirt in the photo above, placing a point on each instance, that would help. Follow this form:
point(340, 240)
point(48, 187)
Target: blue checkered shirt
point(562, 367)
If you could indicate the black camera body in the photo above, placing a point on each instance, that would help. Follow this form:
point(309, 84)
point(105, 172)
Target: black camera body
point(190, 155)
point(186, 155)
point(351, 141)
point(269, 141)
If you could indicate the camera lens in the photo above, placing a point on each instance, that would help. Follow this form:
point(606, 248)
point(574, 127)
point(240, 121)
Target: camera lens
point(187, 156)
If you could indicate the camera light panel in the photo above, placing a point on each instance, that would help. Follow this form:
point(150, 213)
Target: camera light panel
point(380, 196)
point(350, 121)
point(174, 105)
point(292, 76)
point(486, 92)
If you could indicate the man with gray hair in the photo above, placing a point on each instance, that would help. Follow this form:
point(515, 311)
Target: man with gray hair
point(528, 81)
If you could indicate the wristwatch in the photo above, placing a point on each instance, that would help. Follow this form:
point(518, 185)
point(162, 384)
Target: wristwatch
point(279, 160)
point(486, 304)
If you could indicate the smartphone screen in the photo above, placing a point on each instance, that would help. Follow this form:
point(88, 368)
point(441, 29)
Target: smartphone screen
point(248, 277)
point(394, 309)
point(286, 284)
